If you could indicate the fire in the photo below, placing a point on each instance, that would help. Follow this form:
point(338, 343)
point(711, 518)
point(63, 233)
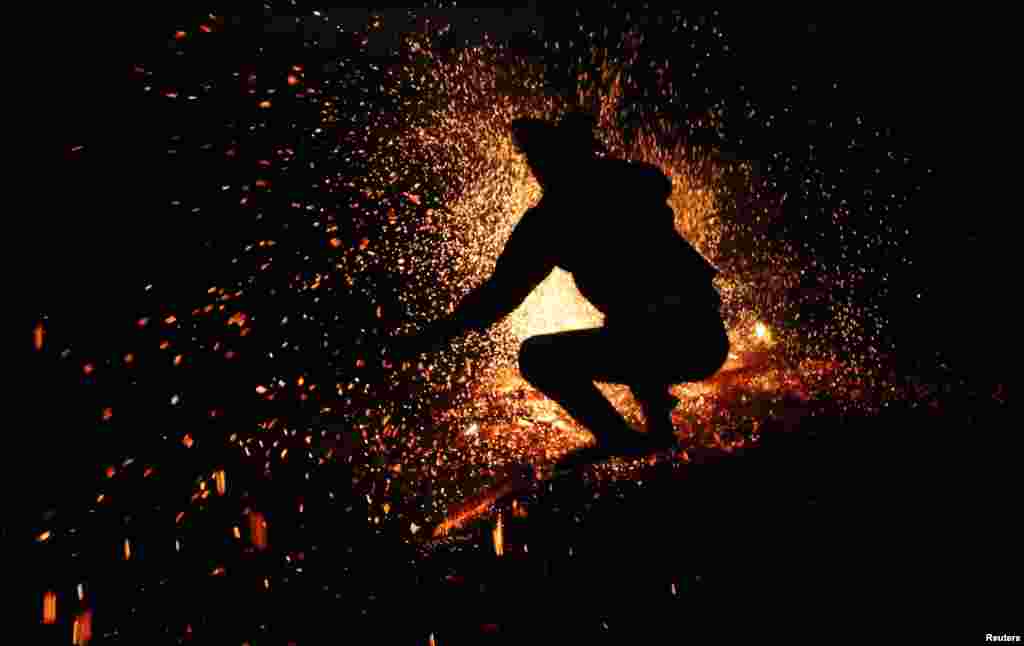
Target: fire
point(221, 480)
point(127, 549)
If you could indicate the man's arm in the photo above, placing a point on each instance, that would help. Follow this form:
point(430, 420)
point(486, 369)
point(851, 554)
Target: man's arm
point(523, 264)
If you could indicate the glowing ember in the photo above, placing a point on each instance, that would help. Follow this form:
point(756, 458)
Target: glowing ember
point(258, 530)
point(81, 630)
point(50, 608)
point(499, 537)
point(37, 335)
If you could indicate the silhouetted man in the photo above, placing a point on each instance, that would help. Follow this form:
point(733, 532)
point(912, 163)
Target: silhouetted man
point(607, 222)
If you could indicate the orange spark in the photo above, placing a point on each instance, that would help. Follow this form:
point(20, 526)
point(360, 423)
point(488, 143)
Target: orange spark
point(293, 80)
point(187, 441)
point(50, 608)
point(107, 413)
point(264, 104)
point(178, 358)
point(179, 35)
point(37, 335)
point(127, 549)
point(335, 242)
point(129, 358)
point(258, 530)
point(42, 538)
point(499, 537)
point(170, 320)
point(81, 632)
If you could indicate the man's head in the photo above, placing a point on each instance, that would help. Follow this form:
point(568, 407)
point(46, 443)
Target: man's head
point(556, 151)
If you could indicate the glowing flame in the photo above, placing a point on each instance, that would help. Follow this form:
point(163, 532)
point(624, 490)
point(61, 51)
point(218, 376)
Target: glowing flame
point(127, 549)
point(220, 478)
